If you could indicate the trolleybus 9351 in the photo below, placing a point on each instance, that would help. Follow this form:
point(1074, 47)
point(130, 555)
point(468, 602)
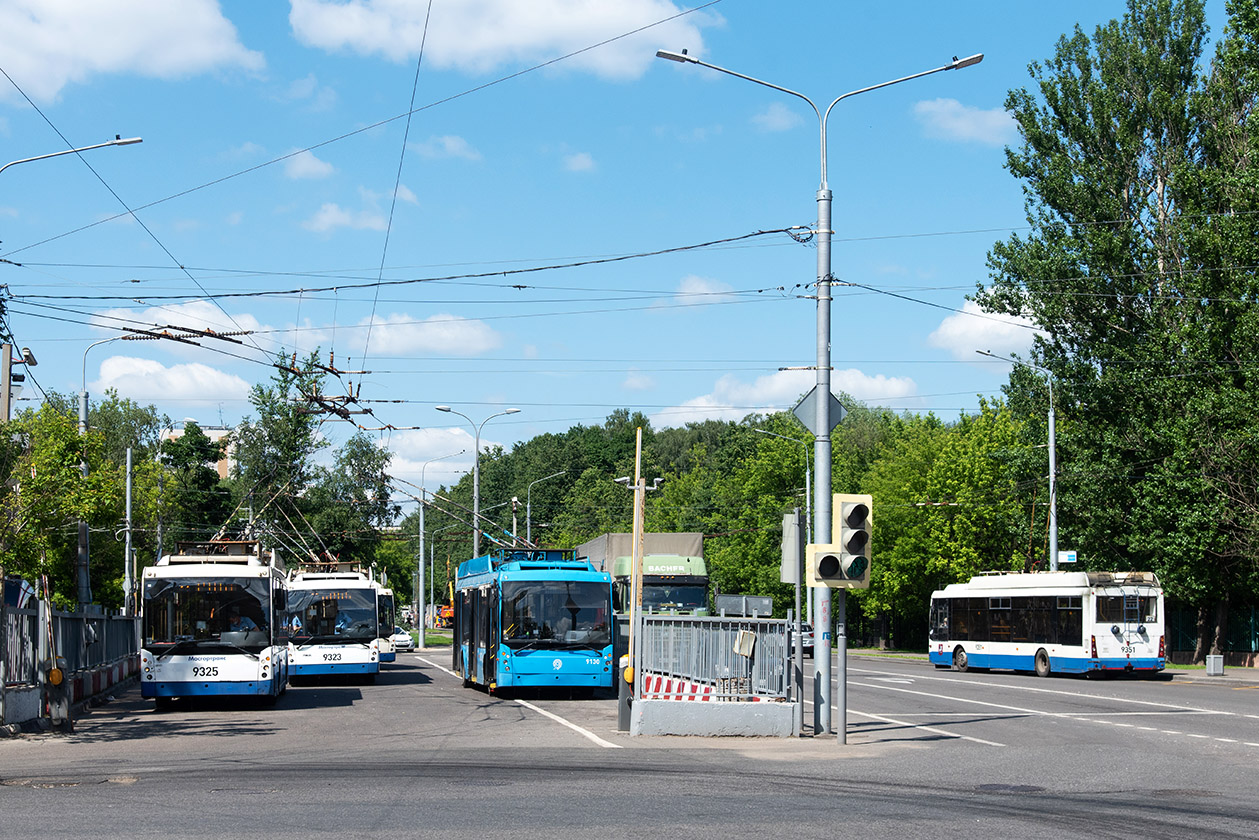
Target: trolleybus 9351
point(532, 618)
point(213, 623)
point(334, 625)
point(1070, 622)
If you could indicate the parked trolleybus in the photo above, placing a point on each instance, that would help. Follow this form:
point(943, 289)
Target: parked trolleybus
point(386, 619)
point(1069, 622)
point(334, 624)
point(213, 623)
point(532, 618)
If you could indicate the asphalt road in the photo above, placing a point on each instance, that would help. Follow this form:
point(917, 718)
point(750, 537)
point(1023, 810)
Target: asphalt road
point(930, 754)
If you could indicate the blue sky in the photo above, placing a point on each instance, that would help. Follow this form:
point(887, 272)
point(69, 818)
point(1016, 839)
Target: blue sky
point(277, 158)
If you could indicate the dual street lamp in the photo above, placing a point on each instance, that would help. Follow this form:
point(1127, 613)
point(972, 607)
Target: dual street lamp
point(476, 470)
point(822, 395)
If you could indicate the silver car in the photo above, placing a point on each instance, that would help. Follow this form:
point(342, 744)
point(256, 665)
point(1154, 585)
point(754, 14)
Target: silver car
point(402, 639)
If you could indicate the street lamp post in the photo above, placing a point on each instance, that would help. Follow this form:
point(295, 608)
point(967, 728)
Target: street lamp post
point(822, 401)
point(529, 505)
point(476, 470)
point(83, 570)
point(1053, 457)
point(419, 566)
point(808, 501)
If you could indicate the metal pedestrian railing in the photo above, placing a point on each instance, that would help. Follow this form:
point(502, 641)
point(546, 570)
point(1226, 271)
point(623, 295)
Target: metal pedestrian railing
point(712, 658)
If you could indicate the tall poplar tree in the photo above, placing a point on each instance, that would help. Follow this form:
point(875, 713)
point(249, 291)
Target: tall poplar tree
point(1139, 174)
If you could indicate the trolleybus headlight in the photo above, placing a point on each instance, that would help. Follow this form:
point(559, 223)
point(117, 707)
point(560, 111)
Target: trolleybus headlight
point(1114, 628)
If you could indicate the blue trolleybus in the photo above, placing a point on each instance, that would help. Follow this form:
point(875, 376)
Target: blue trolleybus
point(334, 625)
point(532, 618)
point(213, 623)
point(1046, 622)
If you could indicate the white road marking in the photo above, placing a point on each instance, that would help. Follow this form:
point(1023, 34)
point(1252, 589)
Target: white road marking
point(930, 729)
point(585, 732)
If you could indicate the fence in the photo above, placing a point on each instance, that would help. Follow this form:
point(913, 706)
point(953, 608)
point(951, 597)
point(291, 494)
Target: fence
point(712, 658)
point(1241, 641)
point(95, 651)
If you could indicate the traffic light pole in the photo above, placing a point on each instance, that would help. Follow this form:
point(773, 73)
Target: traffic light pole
point(822, 430)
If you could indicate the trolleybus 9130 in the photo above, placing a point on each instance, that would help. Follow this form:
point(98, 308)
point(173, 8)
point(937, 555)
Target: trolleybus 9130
point(334, 624)
point(1070, 622)
point(532, 618)
point(213, 623)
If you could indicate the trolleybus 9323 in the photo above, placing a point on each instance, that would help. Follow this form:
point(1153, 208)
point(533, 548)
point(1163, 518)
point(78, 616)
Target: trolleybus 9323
point(532, 618)
point(213, 623)
point(386, 620)
point(334, 624)
point(1069, 622)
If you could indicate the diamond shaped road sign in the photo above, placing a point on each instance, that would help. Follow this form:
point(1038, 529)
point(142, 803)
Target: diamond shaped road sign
point(806, 411)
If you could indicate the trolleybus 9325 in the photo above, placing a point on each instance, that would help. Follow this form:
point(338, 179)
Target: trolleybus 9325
point(532, 618)
point(213, 623)
point(334, 627)
point(1069, 622)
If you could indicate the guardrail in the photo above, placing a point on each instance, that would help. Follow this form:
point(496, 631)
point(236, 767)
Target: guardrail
point(712, 659)
point(94, 651)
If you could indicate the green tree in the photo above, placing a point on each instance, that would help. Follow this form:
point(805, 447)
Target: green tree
point(1139, 174)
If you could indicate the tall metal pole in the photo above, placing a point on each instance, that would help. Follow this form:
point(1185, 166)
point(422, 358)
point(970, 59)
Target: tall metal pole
point(128, 578)
point(419, 565)
point(529, 505)
point(83, 568)
point(822, 420)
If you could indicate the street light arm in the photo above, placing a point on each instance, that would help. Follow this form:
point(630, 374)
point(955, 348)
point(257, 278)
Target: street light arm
point(683, 57)
point(117, 141)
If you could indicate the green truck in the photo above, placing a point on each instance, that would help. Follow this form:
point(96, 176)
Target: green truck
point(675, 577)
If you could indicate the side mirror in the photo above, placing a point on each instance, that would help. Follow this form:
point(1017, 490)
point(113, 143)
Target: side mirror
point(279, 600)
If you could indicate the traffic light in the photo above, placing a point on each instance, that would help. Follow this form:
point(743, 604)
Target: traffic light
point(845, 563)
point(853, 524)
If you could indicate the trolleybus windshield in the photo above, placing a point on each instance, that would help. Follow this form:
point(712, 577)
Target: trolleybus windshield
point(556, 613)
point(330, 615)
point(199, 613)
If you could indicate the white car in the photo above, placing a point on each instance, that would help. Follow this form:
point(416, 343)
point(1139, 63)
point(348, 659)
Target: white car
point(402, 640)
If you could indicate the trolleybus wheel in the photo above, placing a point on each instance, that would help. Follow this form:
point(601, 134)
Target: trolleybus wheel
point(1042, 663)
point(162, 704)
point(959, 659)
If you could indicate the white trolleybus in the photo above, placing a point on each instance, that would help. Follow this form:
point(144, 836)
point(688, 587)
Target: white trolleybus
point(212, 618)
point(334, 624)
point(387, 619)
point(1067, 622)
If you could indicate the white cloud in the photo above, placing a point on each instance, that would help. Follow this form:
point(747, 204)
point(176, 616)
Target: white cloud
point(777, 117)
point(235, 217)
point(973, 329)
point(951, 120)
point(698, 291)
point(447, 146)
point(197, 315)
point(636, 380)
point(319, 97)
point(579, 162)
point(144, 379)
point(733, 399)
point(405, 194)
point(52, 43)
point(306, 165)
point(481, 37)
point(331, 216)
point(402, 335)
